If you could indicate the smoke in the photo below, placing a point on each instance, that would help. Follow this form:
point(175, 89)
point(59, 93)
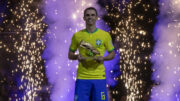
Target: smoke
point(166, 54)
point(64, 17)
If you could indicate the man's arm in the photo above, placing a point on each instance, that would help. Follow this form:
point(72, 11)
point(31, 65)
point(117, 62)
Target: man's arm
point(110, 56)
point(73, 56)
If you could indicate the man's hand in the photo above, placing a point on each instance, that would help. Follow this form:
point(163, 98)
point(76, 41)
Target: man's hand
point(81, 58)
point(99, 59)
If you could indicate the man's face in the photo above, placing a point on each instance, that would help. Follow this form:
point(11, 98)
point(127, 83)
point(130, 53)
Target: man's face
point(90, 17)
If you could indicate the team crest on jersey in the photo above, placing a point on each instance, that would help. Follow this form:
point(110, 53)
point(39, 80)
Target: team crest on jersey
point(98, 43)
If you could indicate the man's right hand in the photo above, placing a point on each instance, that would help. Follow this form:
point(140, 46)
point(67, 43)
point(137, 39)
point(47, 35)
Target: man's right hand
point(81, 58)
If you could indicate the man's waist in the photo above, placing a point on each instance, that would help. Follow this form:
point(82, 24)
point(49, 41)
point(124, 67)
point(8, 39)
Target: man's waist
point(91, 72)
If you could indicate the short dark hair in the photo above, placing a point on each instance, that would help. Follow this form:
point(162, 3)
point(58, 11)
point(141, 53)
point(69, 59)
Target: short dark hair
point(90, 8)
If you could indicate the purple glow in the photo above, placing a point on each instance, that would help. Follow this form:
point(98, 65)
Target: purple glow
point(166, 54)
point(112, 69)
point(64, 17)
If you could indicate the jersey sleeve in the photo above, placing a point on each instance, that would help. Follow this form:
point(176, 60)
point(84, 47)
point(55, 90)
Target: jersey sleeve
point(74, 44)
point(108, 43)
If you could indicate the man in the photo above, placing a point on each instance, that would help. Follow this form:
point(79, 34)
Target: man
point(91, 43)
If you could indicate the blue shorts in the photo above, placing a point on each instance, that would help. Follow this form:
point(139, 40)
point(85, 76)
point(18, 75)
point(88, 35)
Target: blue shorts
point(91, 90)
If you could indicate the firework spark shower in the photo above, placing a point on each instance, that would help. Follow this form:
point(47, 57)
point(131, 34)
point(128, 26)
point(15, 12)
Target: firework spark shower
point(166, 54)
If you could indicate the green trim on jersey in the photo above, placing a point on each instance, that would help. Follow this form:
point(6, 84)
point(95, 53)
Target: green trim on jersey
point(100, 40)
point(72, 50)
point(111, 50)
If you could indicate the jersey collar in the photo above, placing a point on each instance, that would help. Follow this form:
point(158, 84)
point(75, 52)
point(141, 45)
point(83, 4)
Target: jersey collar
point(92, 32)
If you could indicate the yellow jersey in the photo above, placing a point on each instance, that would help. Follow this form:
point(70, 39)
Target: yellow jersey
point(100, 40)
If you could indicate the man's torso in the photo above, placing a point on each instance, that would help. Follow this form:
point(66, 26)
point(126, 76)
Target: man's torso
point(91, 69)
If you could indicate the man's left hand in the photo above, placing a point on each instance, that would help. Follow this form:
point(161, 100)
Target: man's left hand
point(99, 59)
